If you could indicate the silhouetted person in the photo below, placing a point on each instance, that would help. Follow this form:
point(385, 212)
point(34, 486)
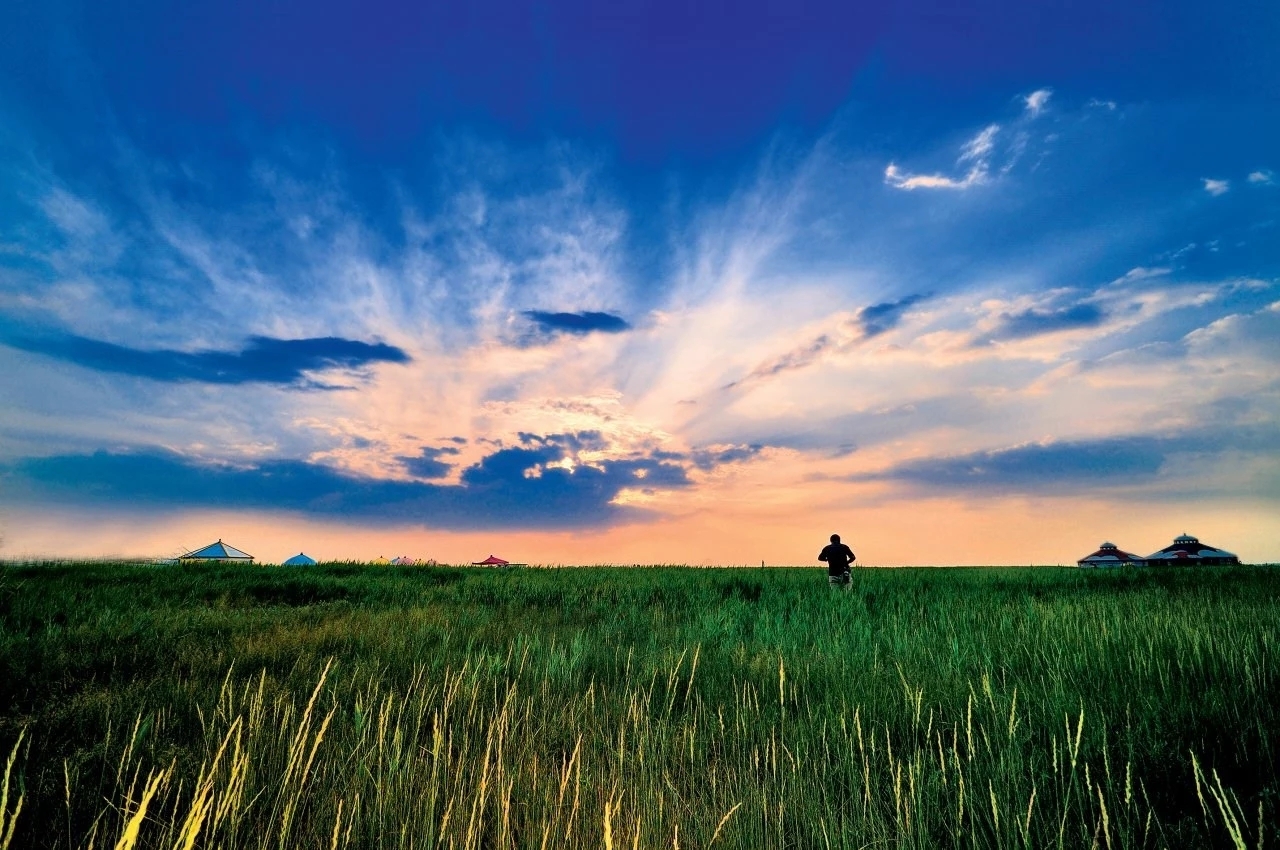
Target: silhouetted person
point(838, 557)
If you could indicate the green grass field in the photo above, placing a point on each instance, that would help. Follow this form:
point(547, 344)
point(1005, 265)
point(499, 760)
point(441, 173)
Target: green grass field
point(347, 706)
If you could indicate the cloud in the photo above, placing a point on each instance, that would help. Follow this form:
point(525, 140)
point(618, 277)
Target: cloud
point(882, 317)
point(1036, 101)
point(976, 151)
point(578, 323)
point(1097, 464)
point(797, 358)
point(1216, 187)
point(979, 147)
point(1037, 466)
point(714, 456)
point(900, 180)
point(1097, 103)
point(427, 464)
point(1034, 322)
point(576, 441)
point(517, 487)
point(262, 360)
point(1264, 177)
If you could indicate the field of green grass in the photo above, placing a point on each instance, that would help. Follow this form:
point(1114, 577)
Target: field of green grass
point(347, 706)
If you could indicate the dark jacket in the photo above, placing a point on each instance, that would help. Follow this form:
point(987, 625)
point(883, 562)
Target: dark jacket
point(838, 557)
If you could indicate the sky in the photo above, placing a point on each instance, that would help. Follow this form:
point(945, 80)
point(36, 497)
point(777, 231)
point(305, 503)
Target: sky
point(578, 283)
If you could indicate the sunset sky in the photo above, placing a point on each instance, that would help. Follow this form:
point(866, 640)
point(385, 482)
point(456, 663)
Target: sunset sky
point(591, 282)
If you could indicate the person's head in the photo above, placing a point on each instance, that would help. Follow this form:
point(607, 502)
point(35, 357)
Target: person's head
point(835, 538)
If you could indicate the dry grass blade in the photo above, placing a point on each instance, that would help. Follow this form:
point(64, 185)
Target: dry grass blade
point(9, 820)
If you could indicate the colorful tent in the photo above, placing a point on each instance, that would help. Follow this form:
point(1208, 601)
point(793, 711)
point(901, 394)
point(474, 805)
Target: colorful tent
point(404, 561)
point(217, 552)
point(1185, 549)
point(1109, 555)
point(491, 561)
point(300, 560)
point(380, 561)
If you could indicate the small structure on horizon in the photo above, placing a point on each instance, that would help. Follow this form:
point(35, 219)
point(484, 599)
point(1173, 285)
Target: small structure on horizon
point(1110, 555)
point(1186, 549)
point(218, 552)
point(300, 560)
point(495, 561)
point(404, 561)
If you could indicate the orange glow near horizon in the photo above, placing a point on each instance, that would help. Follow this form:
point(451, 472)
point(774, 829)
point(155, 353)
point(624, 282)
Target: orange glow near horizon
point(931, 532)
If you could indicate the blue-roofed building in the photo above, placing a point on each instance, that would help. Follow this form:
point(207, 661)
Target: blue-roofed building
point(300, 560)
point(218, 552)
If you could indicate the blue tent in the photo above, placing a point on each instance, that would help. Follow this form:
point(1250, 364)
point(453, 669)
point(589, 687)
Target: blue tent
point(299, 560)
point(217, 552)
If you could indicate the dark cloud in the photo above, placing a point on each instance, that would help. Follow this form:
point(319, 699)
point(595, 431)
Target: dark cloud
point(1036, 322)
point(1039, 466)
point(262, 360)
point(1082, 465)
point(879, 318)
point(510, 488)
point(427, 463)
point(578, 323)
point(706, 459)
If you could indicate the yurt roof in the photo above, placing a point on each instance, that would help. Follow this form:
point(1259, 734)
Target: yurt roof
point(1110, 552)
point(219, 551)
point(1186, 546)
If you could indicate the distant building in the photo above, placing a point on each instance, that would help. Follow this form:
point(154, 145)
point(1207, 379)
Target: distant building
point(300, 560)
point(1188, 550)
point(218, 552)
point(1109, 555)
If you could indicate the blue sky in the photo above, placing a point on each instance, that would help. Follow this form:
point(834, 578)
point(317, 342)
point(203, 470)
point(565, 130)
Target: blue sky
point(667, 283)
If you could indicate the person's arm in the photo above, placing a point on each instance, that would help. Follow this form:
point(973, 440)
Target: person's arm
point(822, 556)
point(852, 557)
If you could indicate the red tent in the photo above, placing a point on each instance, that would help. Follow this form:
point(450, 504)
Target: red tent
point(491, 561)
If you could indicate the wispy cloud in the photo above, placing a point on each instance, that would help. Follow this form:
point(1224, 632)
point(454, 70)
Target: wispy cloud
point(976, 152)
point(1263, 177)
point(1098, 103)
point(1036, 101)
point(1215, 187)
point(899, 179)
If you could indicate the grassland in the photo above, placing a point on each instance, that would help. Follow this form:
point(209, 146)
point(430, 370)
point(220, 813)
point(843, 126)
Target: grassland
point(346, 706)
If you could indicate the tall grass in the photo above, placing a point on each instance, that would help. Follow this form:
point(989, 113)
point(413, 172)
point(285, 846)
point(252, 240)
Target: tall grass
point(246, 708)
